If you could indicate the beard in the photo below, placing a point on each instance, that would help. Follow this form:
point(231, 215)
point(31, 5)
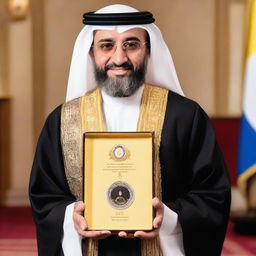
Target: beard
point(121, 86)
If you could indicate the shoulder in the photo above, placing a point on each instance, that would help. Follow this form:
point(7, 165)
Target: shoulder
point(174, 99)
point(54, 115)
point(69, 105)
point(181, 102)
point(185, 116)
point(182, 107)
point(52, 122)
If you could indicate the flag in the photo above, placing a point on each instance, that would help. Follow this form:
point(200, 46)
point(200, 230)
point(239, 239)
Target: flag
point(247, 141)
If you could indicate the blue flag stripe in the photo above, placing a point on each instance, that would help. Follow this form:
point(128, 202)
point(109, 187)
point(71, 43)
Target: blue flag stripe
point(247, 146)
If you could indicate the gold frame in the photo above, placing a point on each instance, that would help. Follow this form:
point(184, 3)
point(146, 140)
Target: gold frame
point(105, 175)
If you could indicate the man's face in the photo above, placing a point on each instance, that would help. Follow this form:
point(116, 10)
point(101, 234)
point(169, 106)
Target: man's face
point(120, 60)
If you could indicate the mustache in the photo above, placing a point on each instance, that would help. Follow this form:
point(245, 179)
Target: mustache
point(125, 65)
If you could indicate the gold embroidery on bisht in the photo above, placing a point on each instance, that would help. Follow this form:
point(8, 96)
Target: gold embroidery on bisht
point(91, 112)
point(92, 120)
point(72, 147)
point(85, 114)
point(152, 113)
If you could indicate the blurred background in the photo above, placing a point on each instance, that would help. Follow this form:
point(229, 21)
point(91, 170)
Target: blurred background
point(207, 40)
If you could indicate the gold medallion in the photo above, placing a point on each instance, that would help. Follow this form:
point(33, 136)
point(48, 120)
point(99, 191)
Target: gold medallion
point(119, 153)
point(120, 195)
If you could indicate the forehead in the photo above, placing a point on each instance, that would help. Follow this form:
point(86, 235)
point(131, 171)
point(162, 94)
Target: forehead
point(114, 35)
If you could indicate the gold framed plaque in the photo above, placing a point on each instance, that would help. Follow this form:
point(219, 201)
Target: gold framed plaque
point(118, 180)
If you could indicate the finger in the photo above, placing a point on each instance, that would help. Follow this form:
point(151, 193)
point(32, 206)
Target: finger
point(158, 205)
point(157, 222)
point(79, 207)
point(79, 222)
point(96, 234)
point(103, 236)
point(146, 235)
point(124, 234)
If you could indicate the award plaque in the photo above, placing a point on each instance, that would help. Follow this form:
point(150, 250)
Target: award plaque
point(118, 180)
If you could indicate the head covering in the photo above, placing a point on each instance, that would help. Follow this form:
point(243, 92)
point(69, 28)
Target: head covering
point(160, 70)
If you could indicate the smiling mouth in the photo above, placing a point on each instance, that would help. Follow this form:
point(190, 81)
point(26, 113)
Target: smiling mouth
point(120, 68)
point(118, 71)
point(123, 66)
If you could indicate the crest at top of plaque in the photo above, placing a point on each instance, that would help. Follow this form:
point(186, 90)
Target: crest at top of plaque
point(119, 153)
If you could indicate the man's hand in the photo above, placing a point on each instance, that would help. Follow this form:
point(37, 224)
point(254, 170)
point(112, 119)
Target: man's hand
point(157, 222)
point(81, 224)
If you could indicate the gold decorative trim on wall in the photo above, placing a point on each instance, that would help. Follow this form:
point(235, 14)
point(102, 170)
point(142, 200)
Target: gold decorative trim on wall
point(4, 50)
point(18, 9)
point(39, 73)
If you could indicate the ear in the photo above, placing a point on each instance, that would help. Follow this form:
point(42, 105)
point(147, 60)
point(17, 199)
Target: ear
point(147, 39)
point(91, 49)
point(91, 52)
point(148, 52)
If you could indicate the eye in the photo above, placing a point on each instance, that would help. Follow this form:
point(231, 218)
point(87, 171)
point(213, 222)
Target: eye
point(106, 46)
point(131, 45)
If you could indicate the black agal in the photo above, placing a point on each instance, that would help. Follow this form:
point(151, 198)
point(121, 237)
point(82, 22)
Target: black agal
point(127, 18)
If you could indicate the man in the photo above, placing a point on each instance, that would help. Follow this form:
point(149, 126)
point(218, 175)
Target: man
point(116, 56)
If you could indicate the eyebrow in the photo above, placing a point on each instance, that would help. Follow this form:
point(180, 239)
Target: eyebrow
point(126, 39)
point(132, 39)
point(106, 40)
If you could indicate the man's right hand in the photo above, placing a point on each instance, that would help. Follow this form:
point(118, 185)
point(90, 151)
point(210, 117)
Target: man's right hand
point(81, 224)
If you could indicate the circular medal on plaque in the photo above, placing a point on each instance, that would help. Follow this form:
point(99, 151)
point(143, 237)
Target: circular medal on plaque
point(120, 195)
point(119, 153)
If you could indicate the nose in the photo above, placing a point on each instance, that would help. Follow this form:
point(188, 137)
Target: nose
point(119, 56)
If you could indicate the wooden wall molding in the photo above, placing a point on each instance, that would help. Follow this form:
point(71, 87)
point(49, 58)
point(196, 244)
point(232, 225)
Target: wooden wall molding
point(5, 150)
point(4, 20)
point(5, 104)
point(38, 43)
point(224, 69)
point(222, 57)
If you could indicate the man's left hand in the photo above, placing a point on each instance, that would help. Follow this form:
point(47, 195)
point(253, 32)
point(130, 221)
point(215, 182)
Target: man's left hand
point(157, 222)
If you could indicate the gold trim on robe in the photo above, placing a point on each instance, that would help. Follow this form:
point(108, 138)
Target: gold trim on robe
point(85, 114)
point(72, 146)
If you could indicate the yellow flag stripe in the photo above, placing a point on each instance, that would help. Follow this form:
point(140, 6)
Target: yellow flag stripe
point(244, 178)
point(252, 30)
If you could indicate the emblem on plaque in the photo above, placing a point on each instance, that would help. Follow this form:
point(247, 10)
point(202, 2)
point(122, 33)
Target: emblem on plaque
point(120, 195)
point(119, 153)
